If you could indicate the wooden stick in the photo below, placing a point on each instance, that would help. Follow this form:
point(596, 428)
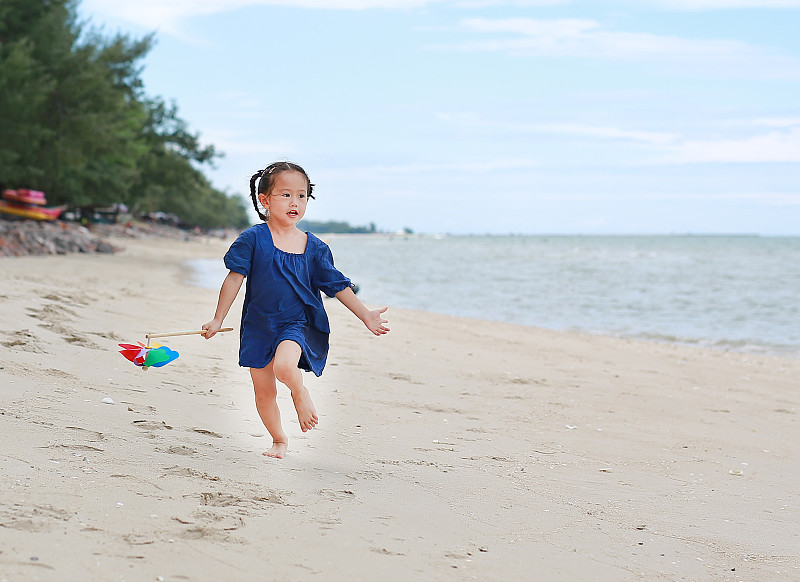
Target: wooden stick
point(173, 333)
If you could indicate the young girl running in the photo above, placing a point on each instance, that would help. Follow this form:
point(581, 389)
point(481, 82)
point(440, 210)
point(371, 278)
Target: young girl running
point(284, 326)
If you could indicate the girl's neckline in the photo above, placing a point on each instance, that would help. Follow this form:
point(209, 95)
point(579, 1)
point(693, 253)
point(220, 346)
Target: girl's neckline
point(272, 238)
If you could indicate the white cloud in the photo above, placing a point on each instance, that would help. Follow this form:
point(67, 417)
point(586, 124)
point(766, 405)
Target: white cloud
point(167, 16)
point(602, 132)
point(564, 129)
point(233, 144)
point(479, 167)
point(776, 146)
point(779, 146)
point(724, 4)
point(775, 121)
point(768, 198)
point(762, 198)
point(520, 3)
point(585, 38)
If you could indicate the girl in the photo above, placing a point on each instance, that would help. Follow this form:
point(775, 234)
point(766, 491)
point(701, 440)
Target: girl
point(284, 325)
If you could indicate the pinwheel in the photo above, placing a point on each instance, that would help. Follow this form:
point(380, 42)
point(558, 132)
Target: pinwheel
point(156, 355)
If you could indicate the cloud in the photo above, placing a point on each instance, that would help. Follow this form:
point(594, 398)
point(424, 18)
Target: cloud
point(602, 132)
point(768, 198)
point(771, 122)
point(772, 147)
point(520, 3)
point(761, 198)
point(475, 167)
point(782, 145)
point(723, 4)
point(167, 16)
point(564, 129)
point(758, 198)
point(236, 143)
point(584, 38)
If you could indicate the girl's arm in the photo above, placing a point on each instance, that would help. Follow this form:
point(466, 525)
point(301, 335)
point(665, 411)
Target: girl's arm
point(372, 319)
point(228, 292)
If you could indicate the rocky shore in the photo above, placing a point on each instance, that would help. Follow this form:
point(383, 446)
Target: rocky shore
point(20, 238)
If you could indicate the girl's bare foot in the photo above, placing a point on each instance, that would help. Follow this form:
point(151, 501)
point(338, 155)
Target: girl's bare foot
point(306, 413)
point(277, 451)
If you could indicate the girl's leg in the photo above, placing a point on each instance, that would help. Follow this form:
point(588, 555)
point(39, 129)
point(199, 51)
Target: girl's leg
point(267, 406)
point(286, 371)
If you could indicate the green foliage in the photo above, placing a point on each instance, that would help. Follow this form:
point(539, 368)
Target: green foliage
point(25, 85)
point(23, 92)
point(76, 124)
point(335, 227)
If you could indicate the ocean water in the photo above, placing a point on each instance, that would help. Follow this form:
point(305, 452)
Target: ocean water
point(730, 292)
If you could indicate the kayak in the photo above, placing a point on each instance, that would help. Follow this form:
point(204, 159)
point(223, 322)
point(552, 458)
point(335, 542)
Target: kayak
point(34, 212)
point(25, 196)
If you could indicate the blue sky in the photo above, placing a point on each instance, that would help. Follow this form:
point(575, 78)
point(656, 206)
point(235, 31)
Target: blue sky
point(491, 116)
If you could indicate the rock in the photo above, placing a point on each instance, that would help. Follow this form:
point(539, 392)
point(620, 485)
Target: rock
point(32, 237)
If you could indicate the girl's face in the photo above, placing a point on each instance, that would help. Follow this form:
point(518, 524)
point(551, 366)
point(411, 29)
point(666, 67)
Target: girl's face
point(287, 199)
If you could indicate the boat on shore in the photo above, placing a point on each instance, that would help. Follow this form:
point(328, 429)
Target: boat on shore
point(30, 204)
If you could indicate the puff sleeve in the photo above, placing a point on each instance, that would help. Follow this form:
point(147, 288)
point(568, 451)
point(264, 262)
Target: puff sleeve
point(326, 277)
point(239, 257)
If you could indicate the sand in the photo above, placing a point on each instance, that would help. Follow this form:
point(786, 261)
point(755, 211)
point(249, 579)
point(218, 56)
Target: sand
point(451, 449)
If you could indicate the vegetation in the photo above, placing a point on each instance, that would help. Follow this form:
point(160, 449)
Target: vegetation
point(335, 227)
point(77, 124)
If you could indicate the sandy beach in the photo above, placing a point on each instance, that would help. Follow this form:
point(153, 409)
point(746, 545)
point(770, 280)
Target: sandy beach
point(451, 449)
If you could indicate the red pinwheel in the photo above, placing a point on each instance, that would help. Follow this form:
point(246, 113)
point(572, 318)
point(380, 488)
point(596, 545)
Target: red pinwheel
point(156, 355)
point(148, 356)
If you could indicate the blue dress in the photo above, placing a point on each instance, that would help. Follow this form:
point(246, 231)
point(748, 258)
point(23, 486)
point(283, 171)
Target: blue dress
point(283, 300)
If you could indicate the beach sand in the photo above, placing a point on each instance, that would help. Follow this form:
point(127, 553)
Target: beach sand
point(451, 449)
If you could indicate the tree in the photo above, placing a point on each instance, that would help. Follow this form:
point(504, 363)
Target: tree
point(25, 86)
point(73, 99)
point(168, 178)
point(77, 124)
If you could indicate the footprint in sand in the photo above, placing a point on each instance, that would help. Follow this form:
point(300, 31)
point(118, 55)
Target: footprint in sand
point(220, 499)
point(24, 340)
point(31, 518)
point(53, 372)
point(67, 299)
point(54, 317)
point(180, 450)
point(92, 436)
point(51, 317)
point(151, 425)
point(189, 472)
point(208, 432)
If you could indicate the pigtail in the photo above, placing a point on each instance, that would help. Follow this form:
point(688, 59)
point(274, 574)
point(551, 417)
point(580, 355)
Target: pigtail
point(253, 196)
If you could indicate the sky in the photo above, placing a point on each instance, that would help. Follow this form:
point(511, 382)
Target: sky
point(494, 116)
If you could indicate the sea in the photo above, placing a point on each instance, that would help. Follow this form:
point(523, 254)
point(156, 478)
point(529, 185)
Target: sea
point(739, 293)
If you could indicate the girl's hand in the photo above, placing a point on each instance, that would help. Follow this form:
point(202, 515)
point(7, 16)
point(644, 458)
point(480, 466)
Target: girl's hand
point(212, 327)
point(374, 321)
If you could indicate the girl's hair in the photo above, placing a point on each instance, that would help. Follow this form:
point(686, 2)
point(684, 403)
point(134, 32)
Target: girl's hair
point(266, 179)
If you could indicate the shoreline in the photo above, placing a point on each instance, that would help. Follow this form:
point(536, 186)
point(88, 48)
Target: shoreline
point(200, 277)
point(503, 449)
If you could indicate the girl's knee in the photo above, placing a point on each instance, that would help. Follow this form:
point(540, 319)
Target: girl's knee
point(264, 383)
point(265, 391)
point(285, 372)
